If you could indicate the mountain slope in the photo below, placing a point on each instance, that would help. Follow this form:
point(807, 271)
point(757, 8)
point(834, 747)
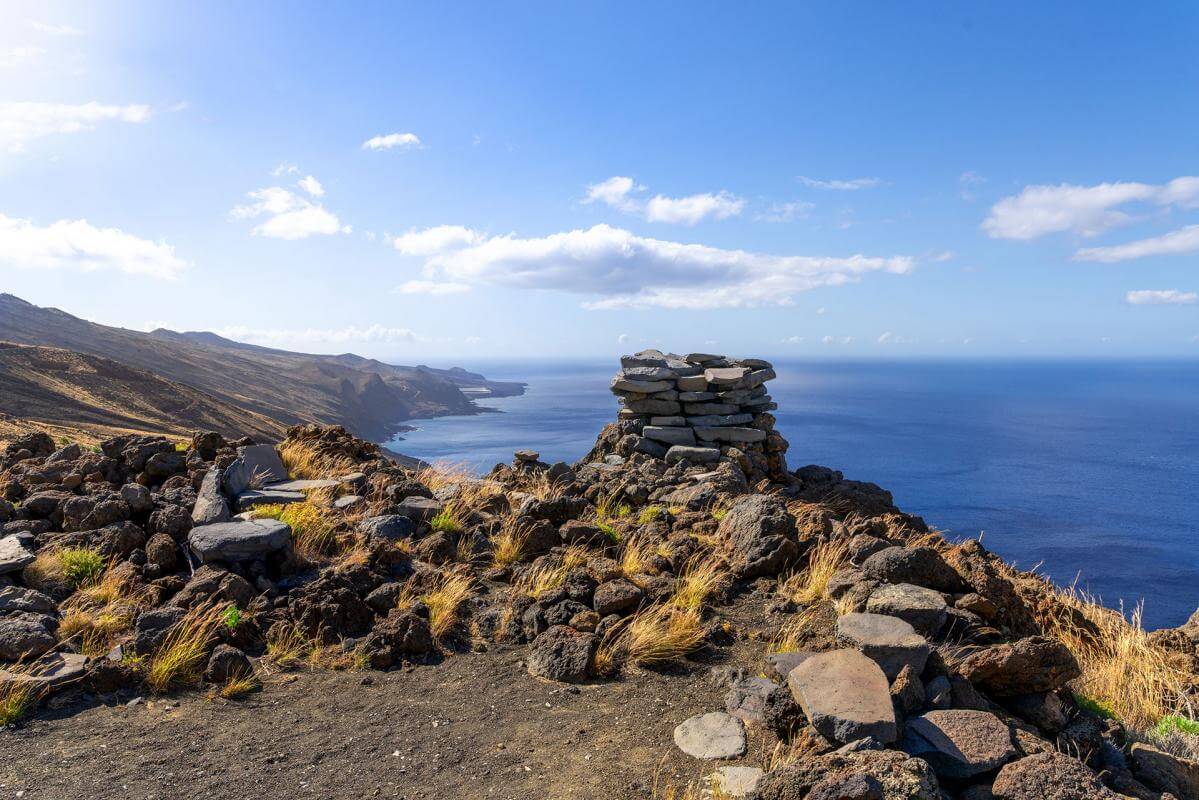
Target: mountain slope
point(368, 397)
point(61, 388)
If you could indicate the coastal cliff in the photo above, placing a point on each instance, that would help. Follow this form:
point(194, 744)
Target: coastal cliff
point(707, 621)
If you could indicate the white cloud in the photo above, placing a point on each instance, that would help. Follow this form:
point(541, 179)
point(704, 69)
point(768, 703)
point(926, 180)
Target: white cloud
point(852, 185)
point(1161, 297)
point(77, 244)
point(622, 270)
point(966, 183)
point(786, 212)
point(1183, 240)
point(17, 56)
point(21, 123)
point(1083, 210)
point(352, 334)
point(618, 192)
point(893, 338)
point(944, 255)
point(312, 186)
point(285, 168)
point(439, 239)
point(431, 287)
point(52, 29)
point(622, 339)
point(390, 140)
point(288, 214)
point(886, 337)
point(693, 208)
point(822, 310)
point(837, 340)
point(793, 340)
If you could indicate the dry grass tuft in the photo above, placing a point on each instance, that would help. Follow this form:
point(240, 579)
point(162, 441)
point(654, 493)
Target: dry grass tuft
point(313, 526)
point(508, 546)
point(811, 583)
point(1123, 670)
point(608, 509)
point(635, 555)
point(550, 573)
point(304, 461)
point(795, 631)
point(286, 647)
point(655, 635)
point(445, 598)
point(180, 659)
point(701, 578)
point(99, 614)
point(239, 686)
point(539, 485)
point(17, 698)
point(78, 566)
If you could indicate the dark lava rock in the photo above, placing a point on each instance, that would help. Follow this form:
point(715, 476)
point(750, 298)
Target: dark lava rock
point(1032, 664)
point(1049, 776)
point(399, 636)
point(562, 654)
point(227, 663)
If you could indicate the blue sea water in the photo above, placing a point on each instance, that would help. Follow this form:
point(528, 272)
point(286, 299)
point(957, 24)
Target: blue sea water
point(1087, 470)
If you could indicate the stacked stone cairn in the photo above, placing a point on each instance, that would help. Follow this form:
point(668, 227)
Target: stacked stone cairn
point(701, 408)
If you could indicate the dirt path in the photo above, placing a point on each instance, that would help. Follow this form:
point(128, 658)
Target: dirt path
point(475, 726)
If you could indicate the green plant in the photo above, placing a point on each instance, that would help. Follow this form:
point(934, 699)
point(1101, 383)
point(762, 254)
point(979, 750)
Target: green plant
point(182, 447)
point(232, 617)
point(446, 520)
point(81, 565)
point(649, 514)
point(1096, 707)
point(1174, 724)
point(313, 527)
point(607, 529)
point(718, 513)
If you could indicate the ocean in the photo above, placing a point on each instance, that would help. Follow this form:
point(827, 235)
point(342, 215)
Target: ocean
point(1088, 471)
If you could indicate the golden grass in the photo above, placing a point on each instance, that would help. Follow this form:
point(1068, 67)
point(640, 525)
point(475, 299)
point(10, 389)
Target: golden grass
point(539, 485)
point(1123, 670)
point(78, 566)
point(17, 698)
point(550, 573)
point(609, 509)
point(97, 615)
point(444, 598)
point(635, 555)
point(239, 686)
point(304, 461)
point(811, 583)
point(508, 546)
point(794, 631)
point(335, 657)
point(701, 578)
point(649, 514)
point(313, 526)
point(180, 659)
point(655, 635)
point(286, 647)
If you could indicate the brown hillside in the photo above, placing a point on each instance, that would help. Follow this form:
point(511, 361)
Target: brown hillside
point(61, 389)
point(366, 396)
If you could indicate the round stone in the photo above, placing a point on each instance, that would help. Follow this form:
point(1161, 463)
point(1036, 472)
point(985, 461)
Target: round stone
point(711, 736)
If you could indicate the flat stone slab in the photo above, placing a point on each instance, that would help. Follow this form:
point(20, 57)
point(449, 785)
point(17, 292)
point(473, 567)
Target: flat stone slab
point(696, 397)
point(890, 641)
point(725, 376)
point(658, 407)
point(420, 509)
point(659, 433)
point(696, 455)
point(693, 383)
point(736, 781)
point(267, 497)
point(923, 608)
point(238, 540)
point(641, 387)
point(959, 743)
point(845, 696)
point(302, 485)
point(719, 420)
point(14, 556)
point(348, 501)
point(705, 409)
point(730, 435)
point(711, 736)
point(669, 422)
point(49, 672)
point(648, 374)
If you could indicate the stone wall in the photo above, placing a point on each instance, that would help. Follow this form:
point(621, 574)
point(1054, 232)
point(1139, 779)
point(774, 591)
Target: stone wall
point(701, 408)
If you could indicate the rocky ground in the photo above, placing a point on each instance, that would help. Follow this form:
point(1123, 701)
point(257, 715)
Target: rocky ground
point(211, 617)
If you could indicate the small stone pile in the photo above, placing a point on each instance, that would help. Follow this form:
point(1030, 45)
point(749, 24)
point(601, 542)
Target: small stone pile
point(701, 408)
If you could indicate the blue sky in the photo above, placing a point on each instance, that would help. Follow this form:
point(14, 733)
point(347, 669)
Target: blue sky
point(432, 183)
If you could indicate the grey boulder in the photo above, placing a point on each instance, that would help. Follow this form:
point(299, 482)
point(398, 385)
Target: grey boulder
point(959, 744)
point(238, 540)
point(891, 642)
point(845, 696)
